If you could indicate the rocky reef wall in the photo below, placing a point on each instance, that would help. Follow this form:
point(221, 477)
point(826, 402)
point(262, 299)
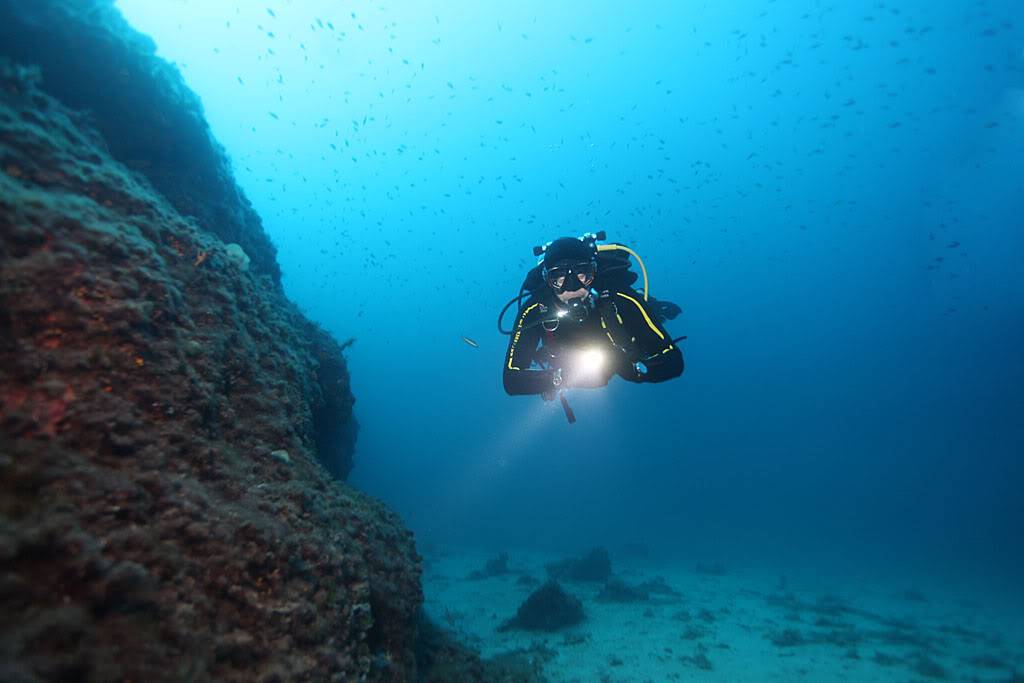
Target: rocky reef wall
point(167, 417)
point(87, 58)
point(91, 60)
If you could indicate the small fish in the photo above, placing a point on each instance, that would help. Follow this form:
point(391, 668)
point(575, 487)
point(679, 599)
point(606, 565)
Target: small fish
point(471, 342)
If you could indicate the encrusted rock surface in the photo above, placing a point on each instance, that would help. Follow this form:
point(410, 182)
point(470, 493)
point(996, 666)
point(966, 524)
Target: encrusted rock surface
point(91, 60)
point(549, 608)
point(150, 528)
point(174, 434)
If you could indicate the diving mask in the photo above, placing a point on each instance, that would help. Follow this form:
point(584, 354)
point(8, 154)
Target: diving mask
point(569, 277)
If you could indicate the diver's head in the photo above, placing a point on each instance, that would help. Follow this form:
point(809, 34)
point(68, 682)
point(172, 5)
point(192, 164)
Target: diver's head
point(570, 266)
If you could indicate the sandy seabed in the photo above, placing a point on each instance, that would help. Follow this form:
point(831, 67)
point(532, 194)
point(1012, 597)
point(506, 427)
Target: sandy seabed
point(734, 625)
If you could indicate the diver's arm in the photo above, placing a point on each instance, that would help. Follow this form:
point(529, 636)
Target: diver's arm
point(518, 377)
point(664, 365)
point(528, 382)
point(662, 359)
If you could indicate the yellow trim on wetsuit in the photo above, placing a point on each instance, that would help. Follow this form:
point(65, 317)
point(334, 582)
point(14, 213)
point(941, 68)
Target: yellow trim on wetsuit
point(604, 326)
point(650, 323)
point(519, 331)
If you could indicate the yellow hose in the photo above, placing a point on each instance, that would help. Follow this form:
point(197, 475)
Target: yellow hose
point(643, 269)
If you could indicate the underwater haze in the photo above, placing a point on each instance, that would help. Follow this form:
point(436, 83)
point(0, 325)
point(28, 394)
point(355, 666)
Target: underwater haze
point(832, 192)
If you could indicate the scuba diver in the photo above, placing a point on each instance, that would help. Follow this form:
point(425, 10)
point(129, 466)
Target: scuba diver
point(582, 322)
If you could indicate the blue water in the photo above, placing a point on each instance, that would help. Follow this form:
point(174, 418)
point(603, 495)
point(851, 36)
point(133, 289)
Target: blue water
point(832, 192)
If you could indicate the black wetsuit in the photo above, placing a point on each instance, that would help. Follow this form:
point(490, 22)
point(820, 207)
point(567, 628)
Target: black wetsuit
point(619, 324)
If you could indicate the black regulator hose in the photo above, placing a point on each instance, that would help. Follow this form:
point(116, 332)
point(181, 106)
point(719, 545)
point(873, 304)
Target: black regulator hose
point(515, 300)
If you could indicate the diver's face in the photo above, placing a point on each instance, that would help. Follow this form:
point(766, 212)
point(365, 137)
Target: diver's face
point(570, 280)
point(566, 297)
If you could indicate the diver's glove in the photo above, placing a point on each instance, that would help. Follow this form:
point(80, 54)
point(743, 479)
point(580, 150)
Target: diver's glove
point(587, 380)
point(556, 385)
point(583, 378)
